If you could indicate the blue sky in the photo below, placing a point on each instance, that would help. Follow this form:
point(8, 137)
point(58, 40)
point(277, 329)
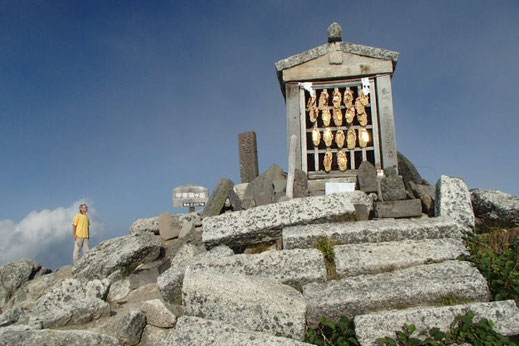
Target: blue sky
point(118, 102)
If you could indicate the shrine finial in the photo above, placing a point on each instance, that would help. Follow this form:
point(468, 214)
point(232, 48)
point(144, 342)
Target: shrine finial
point(334, 32)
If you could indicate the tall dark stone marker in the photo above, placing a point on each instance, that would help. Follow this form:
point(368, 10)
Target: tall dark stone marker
point(249, 168)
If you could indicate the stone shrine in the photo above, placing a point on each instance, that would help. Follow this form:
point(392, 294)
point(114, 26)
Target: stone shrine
point(339, 106)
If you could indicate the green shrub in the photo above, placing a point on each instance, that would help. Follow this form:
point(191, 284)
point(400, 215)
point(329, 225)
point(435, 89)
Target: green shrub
point(330, 333)
point(496, 255)
point(325, 245)
point(462, 330)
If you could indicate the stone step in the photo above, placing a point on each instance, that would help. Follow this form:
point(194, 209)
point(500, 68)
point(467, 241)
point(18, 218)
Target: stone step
point(195, 331)
point(373, 231)
point(419, 285)
point(373, 258)
point(295, 267)
point(264, 223)
point(247, 302)
point(370, 327)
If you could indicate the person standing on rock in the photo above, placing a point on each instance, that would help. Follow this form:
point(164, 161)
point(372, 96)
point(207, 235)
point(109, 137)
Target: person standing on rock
point(80, 229)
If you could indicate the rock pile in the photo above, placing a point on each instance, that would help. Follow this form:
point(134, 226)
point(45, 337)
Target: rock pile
point(247, 271)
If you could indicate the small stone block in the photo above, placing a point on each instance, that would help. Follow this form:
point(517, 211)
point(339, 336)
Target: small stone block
point(169, 226)
point(404, 208)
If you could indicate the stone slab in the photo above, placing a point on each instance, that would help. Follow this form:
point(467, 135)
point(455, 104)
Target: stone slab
point(453, 200)
point(248, 302)
point(217, 200)
point(115, 258)
point(396, 209)
point(369, 327)
point(373, 231)
point(264, 223)
point(13, 337)
point(170, 282)
point(195, 331)
point(72, 302)
point(373, 258)
point(249, 167)
point(409, 287)
point(292, 267)
point(169, 226)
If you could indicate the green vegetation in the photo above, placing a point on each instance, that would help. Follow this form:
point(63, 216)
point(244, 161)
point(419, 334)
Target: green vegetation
point(325, 245)
point(329, 333)
point(462, 330)
point(496, 254)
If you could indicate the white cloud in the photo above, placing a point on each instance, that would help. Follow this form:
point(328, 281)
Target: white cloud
point(41, 232)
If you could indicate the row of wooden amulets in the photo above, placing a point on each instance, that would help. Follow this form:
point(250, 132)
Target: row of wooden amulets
point(322, 109)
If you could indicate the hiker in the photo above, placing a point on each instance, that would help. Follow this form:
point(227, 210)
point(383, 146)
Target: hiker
point(80, 230)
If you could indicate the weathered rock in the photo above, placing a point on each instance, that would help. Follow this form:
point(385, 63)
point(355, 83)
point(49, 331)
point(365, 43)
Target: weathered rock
point(169, 226)
point(154, 335)
point(392, 188)
point(414, 286)
point(236, 204)
point(216, 202)
point(119, 290)
point(260, 191)
point(170, 282)
point(194, 331)
point(27, 295)
point(496, 207)
point(193, 217)
point(143, 293)
point(13, 275)
point(374, 231)
point(372, 258)
point(300, 184)
point(426, 194)
point(72, 302)
point(129, 326)
point(396, 209)
point(240, 190)
point(187, 227)
point(158, 314)
point(291, 267)
point(368, 328)
point(11, 316)
point(280, 189)
point(249, 302)
point(13, 337)
point(147, 225)
point(408, 171)
point(147, 273)
point(453, 200)
point(116, 258)
point(367, 177)
point(264, 223)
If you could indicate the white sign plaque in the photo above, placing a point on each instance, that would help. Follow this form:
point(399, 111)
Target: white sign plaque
point(190, 196)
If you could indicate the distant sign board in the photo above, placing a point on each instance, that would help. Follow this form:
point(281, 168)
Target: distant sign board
point(190, 196)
